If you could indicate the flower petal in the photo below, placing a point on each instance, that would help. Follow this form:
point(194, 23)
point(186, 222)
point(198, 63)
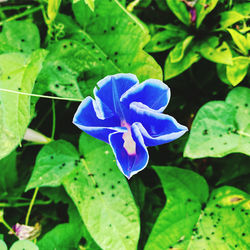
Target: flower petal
point(153, 93)
point(110, 90)
point(156, 128)
point(129, 164)
point(86, 119)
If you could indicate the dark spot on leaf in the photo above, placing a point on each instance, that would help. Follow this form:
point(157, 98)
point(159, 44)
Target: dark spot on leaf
point(205, 214)
point(110, 170)
point(214, 226)
point(19, 89)
point(214, 197)
point(207, 238)
point(225, 143)
point(212, 233)
point(242, 210)
point(102, 193)
point(103, 174)
point(199, 237)
point(118, 182)
point(110, 225)
point(105, 31)
point(195, 211)
point(126, 204)
point(223, 49)
point(243, 234)
point(51, 157)
point(64, 46)
point(113, 195)
point(107, 58)
point(75, 179)
point(63, 164)
point(83, 40)
point(112, 186)
point(96, 185)
point(237, 107)
point(212, 148)
point(158, 43)
point(21, 50)
point(218, 206)
point(205, 132)
point(59, 68)
point(79, 202)
point(189, 200)
point(93, 46)
point(100, 59)
point(112, 28)
point(170, 247)
point(9, 77)
point(22, 40)
point(115, 60)
point(223, 238)
point(116, 53)
point(211, 214)
point(57, 85)
point(235, 245)
point(246, 213)
point(81, 157)
point(71, 44)
point(233, 208)
point(60, 167)
point(92, 197)
point(246, 105)
point(203, 205)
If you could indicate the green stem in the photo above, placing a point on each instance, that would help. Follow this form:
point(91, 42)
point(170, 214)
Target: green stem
point(8, 226)
point(16, 7)
point(53, 120)
point(24, 204)
point(25, 13)
point(42, 96)
point(31, 205)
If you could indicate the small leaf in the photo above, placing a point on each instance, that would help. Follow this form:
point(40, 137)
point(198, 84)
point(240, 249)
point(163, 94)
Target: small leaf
point(103, 198)
point(17, 73)
point(221, 128)
point(239, 40)
point(177, 53)
point(213, 51)
point(3, 245)
point(180, 10)
point(173, 69)
point(186, 191)
point(227, 209)
point(204, 7)
point(19, 36)
point(228, 18)
point(237, 72)
point(24, 245)
point(166, 39)
point(55, 160)
point(91, 4)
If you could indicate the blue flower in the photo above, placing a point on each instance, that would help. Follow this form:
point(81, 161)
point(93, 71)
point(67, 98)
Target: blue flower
point(128, 116)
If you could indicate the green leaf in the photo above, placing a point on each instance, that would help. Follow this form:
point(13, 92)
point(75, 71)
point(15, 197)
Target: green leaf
point(19, 36)
point(186, 191)
point(3, 245)
point(177, 53)
point(8, 177)
point(239, 40)
point(166, 39)
point(55, 160)
point(17, 73)
point(213, 51)
point(204, 7)
point(64, 236)
point(173, 69)
point(221, 128)
point(228, 18)
point(237, 72)
point(91, 4)
point(120, 40)
point(242, 8)
point(24, 245)
point(103, 198)
point(180, 10)
point(224, 222)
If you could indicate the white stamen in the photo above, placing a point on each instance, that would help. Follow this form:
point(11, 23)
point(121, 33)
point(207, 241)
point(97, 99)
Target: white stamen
point(129, 143)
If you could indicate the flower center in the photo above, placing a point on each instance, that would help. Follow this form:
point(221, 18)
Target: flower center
point(129, 143)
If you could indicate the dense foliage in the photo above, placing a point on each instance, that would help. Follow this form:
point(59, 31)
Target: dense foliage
point(61, 188)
